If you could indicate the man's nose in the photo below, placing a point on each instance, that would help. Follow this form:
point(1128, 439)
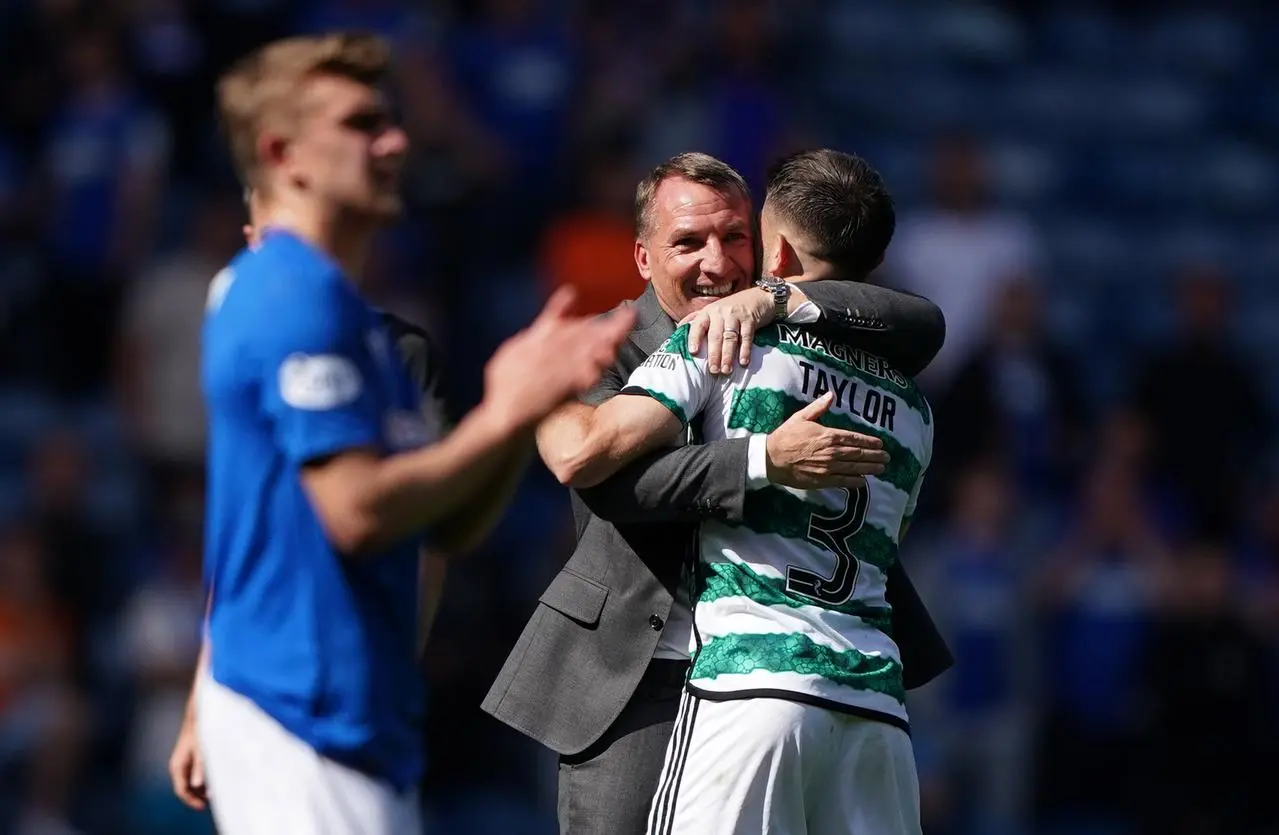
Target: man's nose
point(394, 142)
point(714, 260)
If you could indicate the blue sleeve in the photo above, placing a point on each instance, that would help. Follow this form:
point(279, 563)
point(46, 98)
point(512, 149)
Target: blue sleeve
point(318, 375)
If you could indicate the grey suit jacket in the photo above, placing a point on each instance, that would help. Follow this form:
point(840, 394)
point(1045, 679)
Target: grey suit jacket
point(595, 628)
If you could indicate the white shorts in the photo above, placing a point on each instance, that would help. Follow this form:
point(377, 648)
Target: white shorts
point(775, 767)
point(265, 781)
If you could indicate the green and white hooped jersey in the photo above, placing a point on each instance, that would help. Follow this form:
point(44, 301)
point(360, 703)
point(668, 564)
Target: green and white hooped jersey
point(791, 602)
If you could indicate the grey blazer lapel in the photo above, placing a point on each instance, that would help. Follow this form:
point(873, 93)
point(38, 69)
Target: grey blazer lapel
point(652, 324)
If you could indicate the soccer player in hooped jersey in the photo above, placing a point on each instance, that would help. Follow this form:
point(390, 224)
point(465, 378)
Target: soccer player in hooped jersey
point(324, 477)
point(794, 717)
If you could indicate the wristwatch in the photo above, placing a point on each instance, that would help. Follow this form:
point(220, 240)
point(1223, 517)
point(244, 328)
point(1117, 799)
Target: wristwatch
point(780, 291)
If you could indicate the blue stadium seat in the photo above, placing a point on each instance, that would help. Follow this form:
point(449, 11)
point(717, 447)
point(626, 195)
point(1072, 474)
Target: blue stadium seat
point(875, 31)
point(973, 33)
point(1173, 247)
point(1202, 41)
point(1237, 178)
point(1056, 103)
point(1024, 173)
point(1081, 36)
point(1161, 107)
point(24, 416)
point(1085, 249)
point(13, 497)
point(116, 499)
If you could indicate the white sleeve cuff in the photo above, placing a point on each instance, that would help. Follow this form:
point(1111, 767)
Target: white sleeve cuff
point(757, 462)
point(806, 314)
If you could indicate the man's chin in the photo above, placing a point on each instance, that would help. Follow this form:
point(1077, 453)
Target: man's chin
point(387, 209)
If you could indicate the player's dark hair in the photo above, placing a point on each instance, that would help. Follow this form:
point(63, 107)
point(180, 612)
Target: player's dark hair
point(839, 206)
point(695, 167)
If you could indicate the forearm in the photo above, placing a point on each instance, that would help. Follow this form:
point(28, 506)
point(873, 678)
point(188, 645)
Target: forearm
point(562, 435)
point(410, 492)
point(201, 664)
point(905, 329)
point(680, 485)
point(582, 450)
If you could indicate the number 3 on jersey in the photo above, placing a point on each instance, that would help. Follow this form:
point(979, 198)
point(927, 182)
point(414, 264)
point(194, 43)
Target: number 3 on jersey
point(833, 533)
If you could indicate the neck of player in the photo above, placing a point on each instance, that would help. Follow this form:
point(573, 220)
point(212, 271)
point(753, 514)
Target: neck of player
point(343, 238)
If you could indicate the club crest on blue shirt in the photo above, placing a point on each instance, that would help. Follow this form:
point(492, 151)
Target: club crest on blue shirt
point(319, 382)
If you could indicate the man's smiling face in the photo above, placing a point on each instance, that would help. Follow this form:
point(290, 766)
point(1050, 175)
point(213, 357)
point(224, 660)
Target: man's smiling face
point(698, 246)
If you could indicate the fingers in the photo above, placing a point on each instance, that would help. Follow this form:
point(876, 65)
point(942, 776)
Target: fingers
point(850, 482)
point(619, 324)
point(747, 327)
point(183, 772)
point(858, 467)
point(556, 307)
point(816, 409)
point(843, 439)
point(600, 338)
point(197, 775)
point(714, 341)
point(698, 324)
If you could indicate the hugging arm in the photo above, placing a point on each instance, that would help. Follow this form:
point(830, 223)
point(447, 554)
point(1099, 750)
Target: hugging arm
point(905, 329)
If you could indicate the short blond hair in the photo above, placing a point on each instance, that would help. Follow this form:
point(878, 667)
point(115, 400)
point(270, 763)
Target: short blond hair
point(260, 91)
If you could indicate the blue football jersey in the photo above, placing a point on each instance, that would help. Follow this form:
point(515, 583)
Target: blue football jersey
point(296, 367)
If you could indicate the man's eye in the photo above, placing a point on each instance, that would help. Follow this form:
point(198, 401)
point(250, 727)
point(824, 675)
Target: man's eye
point(686, 243)
point(367, 122)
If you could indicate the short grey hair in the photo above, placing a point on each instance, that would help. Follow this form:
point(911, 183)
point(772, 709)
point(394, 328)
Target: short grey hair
point(695, 167)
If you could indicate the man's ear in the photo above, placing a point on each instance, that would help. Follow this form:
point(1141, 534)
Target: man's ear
point(784, 260)
point(641, 261)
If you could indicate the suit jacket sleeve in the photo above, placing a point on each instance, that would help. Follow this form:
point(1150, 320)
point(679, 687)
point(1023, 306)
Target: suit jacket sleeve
point(905, 329)
point(923, 650)
point(699, 481)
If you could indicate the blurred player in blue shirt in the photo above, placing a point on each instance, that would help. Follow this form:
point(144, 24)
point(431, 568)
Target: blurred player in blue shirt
point(323, 473)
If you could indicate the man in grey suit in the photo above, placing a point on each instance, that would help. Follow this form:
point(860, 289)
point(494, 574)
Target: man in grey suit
point(597, 673)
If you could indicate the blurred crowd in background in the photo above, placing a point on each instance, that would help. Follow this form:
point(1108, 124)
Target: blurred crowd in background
point(1089, 192)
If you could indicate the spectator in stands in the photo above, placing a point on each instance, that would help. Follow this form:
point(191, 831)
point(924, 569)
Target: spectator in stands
point(980, 712)
point(106, 157)
point(1014, 397)
point(162, 632)
point(1208, 707)
point(1259, 566)
point(157, 383)
point(1201, 360)
point(42, 718)
point(751, 123)
point(80, 568)
point(517, 66)
point(961, 251)
point(1097, 597)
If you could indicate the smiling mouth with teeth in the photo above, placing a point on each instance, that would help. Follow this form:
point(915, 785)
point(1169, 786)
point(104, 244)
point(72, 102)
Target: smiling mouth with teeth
point(713, 292)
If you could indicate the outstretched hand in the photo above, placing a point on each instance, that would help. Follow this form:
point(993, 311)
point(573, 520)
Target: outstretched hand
point(557, 357)
point(803, 453)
